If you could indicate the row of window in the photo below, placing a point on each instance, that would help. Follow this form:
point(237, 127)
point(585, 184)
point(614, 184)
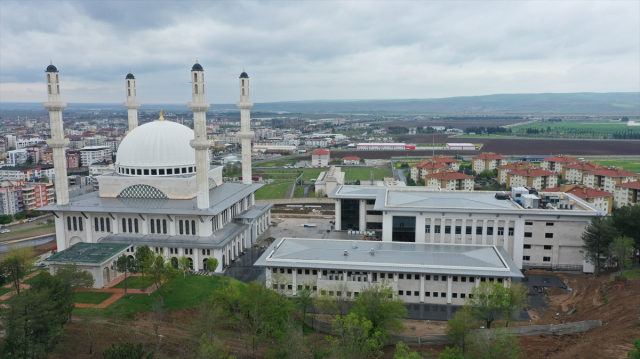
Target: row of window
point(185, 228)
point(132, 225)
point(468, 230)
point(546, 235)
point(77, 224)
point(339, 275)
point(549, 224)
point(416, 293)
point(546, 247)
point(155, 226)
point(104, 225)
point(544, 259)
point(156, 172)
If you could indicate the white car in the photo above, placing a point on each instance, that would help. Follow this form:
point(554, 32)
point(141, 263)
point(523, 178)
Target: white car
point(5, 231)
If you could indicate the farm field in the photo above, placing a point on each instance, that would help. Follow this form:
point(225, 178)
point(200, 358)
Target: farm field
point(631, 166)
point(579, 129)
point(461, 124)
point(276, 189)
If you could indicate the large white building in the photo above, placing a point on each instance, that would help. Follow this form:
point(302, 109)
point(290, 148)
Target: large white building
point(92, 154)
point(163, 192)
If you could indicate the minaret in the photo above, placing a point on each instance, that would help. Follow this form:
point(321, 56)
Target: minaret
point(57, 141)
point(200, 143)
point(131, 105)
point(245, 133)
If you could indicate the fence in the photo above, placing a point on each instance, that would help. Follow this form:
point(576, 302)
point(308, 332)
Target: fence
point(437, 339)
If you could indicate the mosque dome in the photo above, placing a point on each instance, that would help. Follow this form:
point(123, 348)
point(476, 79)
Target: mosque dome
point(158, 148)
point(129, 76)
point(197, 67)
point(244, 75)
point(51, 68)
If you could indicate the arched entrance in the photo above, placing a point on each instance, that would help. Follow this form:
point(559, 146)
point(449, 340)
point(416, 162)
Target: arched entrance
point(74, 240)
point(190, 264)
point(204, 264)
point(224, 262)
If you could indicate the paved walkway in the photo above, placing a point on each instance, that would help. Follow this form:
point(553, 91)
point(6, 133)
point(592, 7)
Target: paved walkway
point(22, 286)
point(117, 292)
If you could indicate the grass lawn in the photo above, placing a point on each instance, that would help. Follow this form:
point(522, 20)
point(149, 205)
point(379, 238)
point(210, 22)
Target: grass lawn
point(91, 297)
point(4, 290)
point(634, 273)
point(137, 282)
point(21, 231)
point(631, 166)
point(31, 280)
point(180, 293)
point(276, 189)
point(299, 192)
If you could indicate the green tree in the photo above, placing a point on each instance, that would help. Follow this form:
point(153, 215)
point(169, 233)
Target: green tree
point(207, 349)
point(74, 278)
point(6, 219)
point(488, 302)
point(622, 250)
point(16, 264)
point(355, 338)
point(379, 304)
point(126, 350)
point(20, 216)
point(452, 353)
point(184, 265)
point(635, 354)
point(403, 352)
point(499, 343)
point(627, 221)
point(459, 327)
point(517, 299)
point(126, 264)
point(212, 264)
point(304, 298)
point(160, 271)
point(597, 238)
point(143, 256)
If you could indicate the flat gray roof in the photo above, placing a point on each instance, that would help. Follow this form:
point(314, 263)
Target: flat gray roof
point(462, 259)
point(255, 211)
point(220, 198)
point(89, 253)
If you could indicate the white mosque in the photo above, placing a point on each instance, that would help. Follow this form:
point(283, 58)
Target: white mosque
point(164, 193)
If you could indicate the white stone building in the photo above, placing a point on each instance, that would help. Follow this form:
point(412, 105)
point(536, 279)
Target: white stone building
point(92, 154)
point(320, 157)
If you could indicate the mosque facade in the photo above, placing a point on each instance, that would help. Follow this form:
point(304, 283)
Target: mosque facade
point(163, 193)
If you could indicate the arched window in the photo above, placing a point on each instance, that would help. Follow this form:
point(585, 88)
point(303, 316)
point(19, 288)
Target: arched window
point(101, 224)
point(80, 224)
point(95, 224)
point(135, 223)
point(193, 227)
point(129, 83)
point(195, 77)
point(124, 225)
point(49, 89)
point(242, 92)
point(186, 227)
point(153, 226)
point(48, 77)
point(58, 88)
point(196, 89)
point(68, 223)
point(203, 89)
point(164, 226)
point(130, 226)
point(75, 224)
point(129, 92)
point(242, 82)
point(109, 226)
point(57, 80)
point(224, 262)
point(181, 227)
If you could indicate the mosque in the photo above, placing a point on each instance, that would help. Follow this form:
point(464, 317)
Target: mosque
point(164, 193)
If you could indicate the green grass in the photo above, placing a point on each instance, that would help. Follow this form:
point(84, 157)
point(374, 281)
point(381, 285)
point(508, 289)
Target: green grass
point(4, 290)
point(299, 192)
point(276, 189)
point(634, 273)
point(91, 297)
point(31, 280)
point(179, 294)
point(137, 282)
point(631, 166)
point(576, 129)
point(21, 231)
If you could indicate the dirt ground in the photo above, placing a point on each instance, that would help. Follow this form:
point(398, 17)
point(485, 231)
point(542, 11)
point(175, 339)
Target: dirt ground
point(613, 340)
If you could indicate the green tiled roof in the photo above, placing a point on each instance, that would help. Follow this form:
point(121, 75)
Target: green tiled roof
point(95, 253)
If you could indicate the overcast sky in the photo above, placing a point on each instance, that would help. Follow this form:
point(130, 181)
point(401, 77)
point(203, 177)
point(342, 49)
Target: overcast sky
point(324, 50)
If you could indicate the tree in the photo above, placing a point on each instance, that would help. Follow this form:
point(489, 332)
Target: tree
point(74, 278)
point(459, 327)
point(597, 237)
point(635, 354)
point(517, 299)
point(355, 338)
point(303, 298)
point(452, 353)
point(44, 179)
point(160, 271)
point(211, 350)
point(292, 342)
point(126, 350)
point(403, 352)
point(212, 264)
point(157, 318)
point(184, 264)
point(488, 302)
point(6, 219)
point(20, 216)
point(91, 326)
point(379, 304)
point(622, 250)
point(143, 255)
point(627, 221)
point(16, 264)
point(499, 343)
point(319, 193)
point(333, 305)
point(126, 264)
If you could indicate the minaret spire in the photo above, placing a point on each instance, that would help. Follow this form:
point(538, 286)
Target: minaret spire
point(57, 141)
point(132, 105)
point(245, 133)
point(200, 142)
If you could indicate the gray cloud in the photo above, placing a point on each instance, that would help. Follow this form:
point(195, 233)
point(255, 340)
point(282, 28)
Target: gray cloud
point(318, 50)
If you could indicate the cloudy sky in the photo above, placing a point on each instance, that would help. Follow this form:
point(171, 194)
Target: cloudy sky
point(318, 50)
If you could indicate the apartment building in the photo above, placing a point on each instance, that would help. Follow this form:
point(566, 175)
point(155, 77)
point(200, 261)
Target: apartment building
point(556, 163)
point(351, 160)
point(320, 157)
point(532, 177)
point(92, 154)
point(575, 172)
point(38, 195)
point(433, 165)
point(608, 178)
point(488, 161)
point(17, 157)
point(517, 166)
point(598, 198)
point(73, 159)
point(11, 200)
point(627, 194)
point(450, 180)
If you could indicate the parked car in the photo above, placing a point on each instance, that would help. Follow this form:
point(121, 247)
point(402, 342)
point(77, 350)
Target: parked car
point(5, 231)
point(31, 220)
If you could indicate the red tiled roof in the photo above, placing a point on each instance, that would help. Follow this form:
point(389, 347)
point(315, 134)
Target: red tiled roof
point(321, 151)
point(609, 172)
point(449, 176)
point(351, 158)
point(443, 159)
point(533, 173)
point(517, 165)
point(634, 185)
point(581, 192)
point(561, 159)
point(582, 166)
point(434, 165)
point(489, 156)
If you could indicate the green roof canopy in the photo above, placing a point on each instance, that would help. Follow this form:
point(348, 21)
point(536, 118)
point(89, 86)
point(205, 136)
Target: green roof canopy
point(92, 253)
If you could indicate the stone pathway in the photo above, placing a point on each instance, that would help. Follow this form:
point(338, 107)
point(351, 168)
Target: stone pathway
point(117, 292)
point(22, 286)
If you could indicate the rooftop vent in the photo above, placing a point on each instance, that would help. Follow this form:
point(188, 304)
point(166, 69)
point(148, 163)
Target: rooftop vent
point(373, 252)
point(346, 253)
point(354, 245)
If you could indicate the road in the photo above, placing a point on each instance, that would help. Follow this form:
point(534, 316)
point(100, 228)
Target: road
point(4, 248)
point(33, 228)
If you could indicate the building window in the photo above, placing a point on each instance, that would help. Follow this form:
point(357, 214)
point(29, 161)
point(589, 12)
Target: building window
point(462, 295)
point(408, 276)
point(135, 224)
point(401, 292)
point(447, 229)
point(101, 224)
point(468, 229)
point(124, 225)
point(436, 229)
point(427, 228)
point(193, 227)
point(400, 276)
point(164, 226)
point(511, 231)
point(463, 279)
point(427, 294)
point(546, 259)
point(528, 223)
point(528, 234)
point(501, 231)
point(478, 230)
point(130, 225)
point(443, 278)
point(454, 295)
point(75, 224)
point(69, 223)
point(472, 279)
point(80, 223)
point(550, 224)
point(458, 229)
point(489, 231)
point(435, 294)
point(181, 225)
point(455, 278)
point(427, 277)
point(371, 201)
point(95, 222)
point(108, 225)
point(548, 247)
point(548, 235)
point(435, 278)
point(527, 246)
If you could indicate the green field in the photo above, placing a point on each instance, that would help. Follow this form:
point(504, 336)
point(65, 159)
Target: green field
point(180, 293)
point(4, 290)
point(276, 189)
point(136, 282)
point(22, 231)
point(31, 280)
point(633, 273)
point(631, 166)
point(286, 161)
point(91, 297)
point(577, 129)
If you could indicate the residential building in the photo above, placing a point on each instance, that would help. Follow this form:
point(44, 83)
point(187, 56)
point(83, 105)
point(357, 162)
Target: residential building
point(351, 160)
point(11, 200)
point(504, 170)
point(23, 173)
point(36, 196)
point(327, 181)
point(574, 173)
point(608, 178)
point(556, 163)
point(92, 154)
point(627, 194)
point(73, 159)
point(488, 161)
point(532, 177)
point(450, 180)
point(431, 165)
point(598, 198)
point(320, 157)
point(17, 157)
point(317, 142)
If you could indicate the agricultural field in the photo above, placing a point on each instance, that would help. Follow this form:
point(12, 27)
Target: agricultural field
point(631, 166)
point(578, 129)
point(276, 189)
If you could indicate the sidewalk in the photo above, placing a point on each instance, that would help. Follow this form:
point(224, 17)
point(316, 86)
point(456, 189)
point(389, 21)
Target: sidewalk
point(22, 286)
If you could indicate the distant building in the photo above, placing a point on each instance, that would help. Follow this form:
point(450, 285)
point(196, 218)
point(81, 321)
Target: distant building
point(598, 198)
point(317, 142)
point(556, 163)
point(433, 165)
point(609, 178)
point(320, 157)
point(461, 146)
point(575, 172)
point(384, 146)
point(504, 170)
point(18, 196)
point(73, 160)
point(92, 154)
point(11, 200)
point(17, 157)
point(329, 180)
point(532, 177)
point(351, 160)
point(627, 194)
point(488, 161)
point(450, 180)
